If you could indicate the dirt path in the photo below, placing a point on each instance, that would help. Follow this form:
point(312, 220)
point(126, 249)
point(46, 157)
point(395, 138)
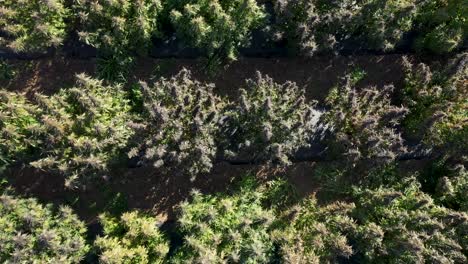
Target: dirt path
point(146, 189)
point(318, 74)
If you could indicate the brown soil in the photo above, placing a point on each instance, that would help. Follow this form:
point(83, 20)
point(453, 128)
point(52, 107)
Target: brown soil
point(47, 75)
point(146, 189)
point(317, 75)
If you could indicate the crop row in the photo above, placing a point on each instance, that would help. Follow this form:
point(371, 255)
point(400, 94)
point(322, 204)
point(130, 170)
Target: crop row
point(180, 126)
point(125, 28)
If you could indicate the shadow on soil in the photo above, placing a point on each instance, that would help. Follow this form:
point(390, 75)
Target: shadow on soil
point(146, 189)
point(317, 74)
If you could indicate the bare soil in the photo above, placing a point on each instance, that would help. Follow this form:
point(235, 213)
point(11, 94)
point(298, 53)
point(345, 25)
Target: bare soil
point(147, 189)
point(317, 75)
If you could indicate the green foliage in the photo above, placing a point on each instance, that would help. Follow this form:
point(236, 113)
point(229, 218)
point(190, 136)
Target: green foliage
point(132, 238)
point(313, 234)
point(32, 25)
point(119, 30)
point(384, 176)
point(118, 27)
point(116, 203)
point(33, 233)
point(384, 225)
point(301, 22)
point(438, 115)
point(269, 123)
point(319, 25)
point(438, 104)
point(402, 224)
point(135, 98)
point(19, 127)
point(442, 25)
point(446, 180)
point(79, 132)
point(452, 188)
point(337, 180)
point(324, 25)
point(384, 23)
point(357, 75)
point(364, 124)
point(230, 228)
point(218, 27)
point(114, 68)
point(86, 128)
point(279, 194)
point(123, 28)
point(7, 71)
point(180, 126)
